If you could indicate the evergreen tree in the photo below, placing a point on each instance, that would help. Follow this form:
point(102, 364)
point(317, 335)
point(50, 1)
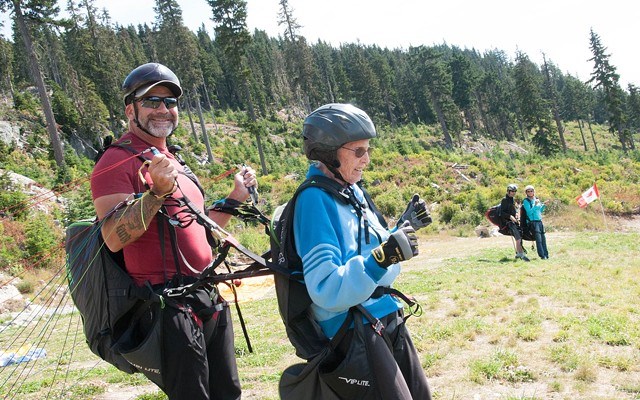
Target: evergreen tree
point(101, 59)
point(495, 95)
point(298, 57)
point(435, 79)
point(465, 80)
point(577, 104)
point(230, 19)
point(324, 74)
point(551, 95)
point(534, 109)
point(604, 76)
point(26, 15)
point(365, 88)
point(6, 70)
point(633, 109)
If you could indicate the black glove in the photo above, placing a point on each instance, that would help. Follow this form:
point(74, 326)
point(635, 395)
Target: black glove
point(416, 213)
point(402, 245)
point(226, 205)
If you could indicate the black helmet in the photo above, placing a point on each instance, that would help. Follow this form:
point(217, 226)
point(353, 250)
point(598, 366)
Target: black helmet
point(143, 78)
point(329, 127)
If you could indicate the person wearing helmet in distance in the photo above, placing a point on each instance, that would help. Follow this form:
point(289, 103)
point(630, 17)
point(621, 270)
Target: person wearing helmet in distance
point(508, 212)
point(343, 266)
point(197, 345)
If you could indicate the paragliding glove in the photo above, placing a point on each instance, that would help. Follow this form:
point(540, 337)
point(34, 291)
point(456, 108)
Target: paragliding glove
point(416, 213)
point(226, 205)
point(402, 245)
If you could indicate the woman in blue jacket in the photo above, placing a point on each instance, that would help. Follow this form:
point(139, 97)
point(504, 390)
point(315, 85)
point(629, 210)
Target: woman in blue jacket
point(534, 208)
point(347, 257)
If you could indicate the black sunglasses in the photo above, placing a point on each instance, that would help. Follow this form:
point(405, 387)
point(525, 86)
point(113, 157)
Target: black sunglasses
point(154, 102)
point(360, 151)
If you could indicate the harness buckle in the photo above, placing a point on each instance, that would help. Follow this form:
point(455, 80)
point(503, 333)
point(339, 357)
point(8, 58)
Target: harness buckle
point(175, 292)
point(378, 327)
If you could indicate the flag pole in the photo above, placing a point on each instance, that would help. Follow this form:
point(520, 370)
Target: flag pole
point(602, 208)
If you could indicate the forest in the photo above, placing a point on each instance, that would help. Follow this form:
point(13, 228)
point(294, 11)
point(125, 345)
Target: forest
point(457, 125)
point(80, 62)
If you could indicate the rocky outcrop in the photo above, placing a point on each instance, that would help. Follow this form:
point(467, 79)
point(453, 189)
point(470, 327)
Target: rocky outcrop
point(10, 133)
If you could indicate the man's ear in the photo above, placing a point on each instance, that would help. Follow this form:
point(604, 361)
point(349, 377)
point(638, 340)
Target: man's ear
point(129, 112)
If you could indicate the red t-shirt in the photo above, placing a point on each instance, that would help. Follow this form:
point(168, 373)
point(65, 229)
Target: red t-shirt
point(117, 172)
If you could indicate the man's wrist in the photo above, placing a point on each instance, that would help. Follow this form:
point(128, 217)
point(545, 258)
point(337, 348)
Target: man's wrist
point(165, 195)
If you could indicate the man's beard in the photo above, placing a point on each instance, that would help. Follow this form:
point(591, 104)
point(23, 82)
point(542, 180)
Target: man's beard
point(159, 129)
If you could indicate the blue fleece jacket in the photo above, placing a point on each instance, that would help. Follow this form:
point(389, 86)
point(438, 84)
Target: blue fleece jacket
point(326, 238)
point(534, 208)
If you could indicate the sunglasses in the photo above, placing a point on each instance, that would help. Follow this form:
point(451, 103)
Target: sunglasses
point(154, 102)
point(360, 151)
point(511, 191)
point(530, 190)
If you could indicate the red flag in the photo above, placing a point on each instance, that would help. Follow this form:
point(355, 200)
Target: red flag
point(588, 196)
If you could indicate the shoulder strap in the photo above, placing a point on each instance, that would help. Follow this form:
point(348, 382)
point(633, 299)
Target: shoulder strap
point(108, 142)
point(291, 260)
point(372, 206)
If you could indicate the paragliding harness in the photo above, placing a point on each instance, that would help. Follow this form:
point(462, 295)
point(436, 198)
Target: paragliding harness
point(294, 302)
point(494, 215)
point(526, 228)
point(110, 302)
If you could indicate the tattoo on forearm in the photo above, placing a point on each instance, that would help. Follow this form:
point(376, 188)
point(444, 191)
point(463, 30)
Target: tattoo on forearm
point(129, 220)
point(123, 234)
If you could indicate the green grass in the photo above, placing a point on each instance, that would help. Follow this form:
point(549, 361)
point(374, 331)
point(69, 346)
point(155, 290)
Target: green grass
point(567, 327)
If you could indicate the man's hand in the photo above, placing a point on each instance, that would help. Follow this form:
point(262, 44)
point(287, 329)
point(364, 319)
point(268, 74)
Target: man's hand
point(242, 181)
point(402, 245)
point(163, 175)
point(416, 213)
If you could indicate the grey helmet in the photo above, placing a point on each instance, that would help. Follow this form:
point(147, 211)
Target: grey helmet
point(329, 127)
point(512, 187)
point(143, 78)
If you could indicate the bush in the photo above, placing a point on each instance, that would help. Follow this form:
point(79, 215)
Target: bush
point(43, 241)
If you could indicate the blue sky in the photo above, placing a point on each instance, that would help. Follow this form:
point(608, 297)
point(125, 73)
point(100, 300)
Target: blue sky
point(558, 28)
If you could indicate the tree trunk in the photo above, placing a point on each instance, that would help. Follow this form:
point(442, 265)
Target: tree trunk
point(584, 141)
point(52, 126)
point(556, 116)
point(252, 115)
point(448, 142)
point(593, 137)
point(190, 115)
point(205, 136)
point(483, 116)
point(623, 139)
point(470, 122)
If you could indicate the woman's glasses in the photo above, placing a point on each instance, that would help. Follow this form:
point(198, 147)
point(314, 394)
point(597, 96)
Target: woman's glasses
point(360, 151)
point(154, 102)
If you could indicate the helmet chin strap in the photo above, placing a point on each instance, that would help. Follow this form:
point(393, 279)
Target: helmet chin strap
point(333, 167)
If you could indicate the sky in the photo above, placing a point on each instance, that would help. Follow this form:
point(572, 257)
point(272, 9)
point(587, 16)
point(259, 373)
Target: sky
point(559, 29)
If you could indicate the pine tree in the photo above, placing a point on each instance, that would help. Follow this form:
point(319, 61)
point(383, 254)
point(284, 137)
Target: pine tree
point(465, 80)
point(230, 19)
point(604, 76)
point(534, 109)
point(32, 13)
point(298, 57)
point(551, 94)
point(435, 78)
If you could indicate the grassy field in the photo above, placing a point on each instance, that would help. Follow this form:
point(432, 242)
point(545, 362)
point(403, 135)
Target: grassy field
point(491, 328)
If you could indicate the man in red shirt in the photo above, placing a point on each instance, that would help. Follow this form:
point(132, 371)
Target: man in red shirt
point(160, 246)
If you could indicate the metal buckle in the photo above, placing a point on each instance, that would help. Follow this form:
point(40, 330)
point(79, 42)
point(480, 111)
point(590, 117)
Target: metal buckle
point(378, 327)
point(175, 292)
